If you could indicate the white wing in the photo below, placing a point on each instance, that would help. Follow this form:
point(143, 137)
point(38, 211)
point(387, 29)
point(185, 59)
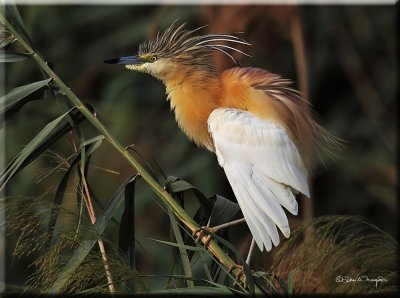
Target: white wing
point(263, 167)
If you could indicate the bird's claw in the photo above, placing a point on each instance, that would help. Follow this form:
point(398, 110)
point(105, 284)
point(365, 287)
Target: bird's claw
point(200, 233)
point(238, 274)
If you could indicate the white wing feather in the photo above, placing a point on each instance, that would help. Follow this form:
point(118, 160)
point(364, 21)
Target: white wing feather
point(263, 167)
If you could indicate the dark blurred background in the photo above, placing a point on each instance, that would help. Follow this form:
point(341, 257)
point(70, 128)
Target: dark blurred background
point(350, 57)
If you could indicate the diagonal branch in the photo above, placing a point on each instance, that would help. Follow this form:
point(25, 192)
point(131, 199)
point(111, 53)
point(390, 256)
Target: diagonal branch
point(214, 248)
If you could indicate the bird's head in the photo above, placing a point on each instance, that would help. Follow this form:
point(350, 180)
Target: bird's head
point(176, 51)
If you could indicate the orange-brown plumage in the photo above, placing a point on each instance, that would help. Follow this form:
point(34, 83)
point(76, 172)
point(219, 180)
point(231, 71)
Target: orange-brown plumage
point(193, 103)
point(261, 130)
point(262, 93)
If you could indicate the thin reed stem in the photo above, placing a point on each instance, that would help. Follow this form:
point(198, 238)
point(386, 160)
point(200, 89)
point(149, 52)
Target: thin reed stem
point(302, 77)
point(214, 248)
point(92, 215)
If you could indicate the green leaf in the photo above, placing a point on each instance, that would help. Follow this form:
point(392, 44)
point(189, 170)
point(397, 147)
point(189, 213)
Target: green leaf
point(13, 56)
point(282, 283)
point(179, 245)
point(22, 156)
point(246, 267)
point(291, 281)
point(183, 253)
point(15, 96)
point(211, 283)
point(42, 141)
point(126, 234)
point(199, 290)
point(265, 282)
point(89, 145)
point(82, 251)
point(7, 39)
point(149, 163)
point(12, 13)
point(223, 211)
point(177, 185)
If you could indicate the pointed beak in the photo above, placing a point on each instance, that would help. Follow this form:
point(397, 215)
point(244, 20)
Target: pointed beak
point(128, 60)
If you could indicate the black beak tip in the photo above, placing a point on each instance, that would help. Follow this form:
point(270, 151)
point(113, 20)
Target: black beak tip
point(112, 61)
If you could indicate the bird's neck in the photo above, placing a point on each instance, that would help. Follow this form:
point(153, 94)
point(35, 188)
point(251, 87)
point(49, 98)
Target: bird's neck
point(193, 96)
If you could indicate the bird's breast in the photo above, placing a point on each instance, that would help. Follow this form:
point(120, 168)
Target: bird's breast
point(193, 105)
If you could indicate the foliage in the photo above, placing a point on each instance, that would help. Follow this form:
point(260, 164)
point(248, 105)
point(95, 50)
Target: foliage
point(94, 209)
point(350, 246)
point(59, 272)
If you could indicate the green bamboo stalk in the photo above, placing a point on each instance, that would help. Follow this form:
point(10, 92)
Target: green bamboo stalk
point(214, 248)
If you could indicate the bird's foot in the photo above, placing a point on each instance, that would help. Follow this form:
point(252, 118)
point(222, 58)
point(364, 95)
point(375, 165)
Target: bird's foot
point(201, 232)
point(238, 274)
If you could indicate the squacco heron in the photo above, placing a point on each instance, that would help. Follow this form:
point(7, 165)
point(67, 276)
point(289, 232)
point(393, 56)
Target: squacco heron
point(260, 129)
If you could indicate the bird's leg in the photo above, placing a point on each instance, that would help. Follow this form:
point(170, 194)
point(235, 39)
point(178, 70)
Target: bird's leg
point(238, 273)
point(227, 225)
point(250, 254)
point(212, 230)
point(199, 234)
point(240, 267)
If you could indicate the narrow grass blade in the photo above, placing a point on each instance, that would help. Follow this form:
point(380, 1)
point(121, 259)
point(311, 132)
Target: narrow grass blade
point(202, 280)
point(246, 267)
point(182, 251)
point(126, 233)
point(22, 156)
point(151, 164)
point(82, 251)
point(6, 39)
point(43, 141)
point(199, 290)
point(179, 245)
point(13, 56)
point(282, 283)
point(265, 282)
point(16, 95)
point(90, 147)
point(12, 13)
point(291, 282)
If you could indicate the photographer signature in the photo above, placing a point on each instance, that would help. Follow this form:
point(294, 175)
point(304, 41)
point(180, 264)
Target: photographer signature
point(347, 279)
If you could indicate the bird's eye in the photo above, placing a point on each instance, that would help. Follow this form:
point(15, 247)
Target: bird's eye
point(153, 58)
